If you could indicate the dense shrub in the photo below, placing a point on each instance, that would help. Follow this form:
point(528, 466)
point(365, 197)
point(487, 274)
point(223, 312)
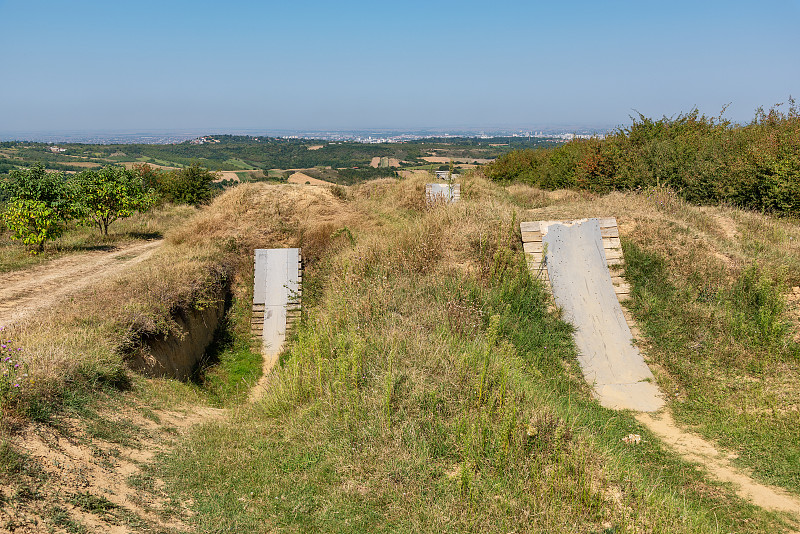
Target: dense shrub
point(706, 160)
point(39, 205)
point(192, 185)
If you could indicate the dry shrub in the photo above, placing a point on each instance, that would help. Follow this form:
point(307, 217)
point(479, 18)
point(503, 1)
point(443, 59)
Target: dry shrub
point(375, 189)
point(528, 197)
point(476, 188)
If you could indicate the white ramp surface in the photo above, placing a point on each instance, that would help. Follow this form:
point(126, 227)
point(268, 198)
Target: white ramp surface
point(579, 276)
point(442, 193)
point(276, 296)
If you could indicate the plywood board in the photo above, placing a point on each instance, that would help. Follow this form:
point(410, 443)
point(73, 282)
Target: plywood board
point(276, 294)
point(583, 268)
point(442, 192)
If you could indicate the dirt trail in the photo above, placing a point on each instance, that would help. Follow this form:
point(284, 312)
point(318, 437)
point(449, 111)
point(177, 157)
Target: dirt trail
point(695, 449)
point(90, 477)
point(24, 292)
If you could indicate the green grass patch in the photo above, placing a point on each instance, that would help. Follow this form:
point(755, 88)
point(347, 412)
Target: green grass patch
point(238, 163)
point(729, 360)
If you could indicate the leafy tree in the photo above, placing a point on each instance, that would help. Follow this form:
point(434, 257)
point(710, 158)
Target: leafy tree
point(40, 204)
point(190, 185)
point(111, 193)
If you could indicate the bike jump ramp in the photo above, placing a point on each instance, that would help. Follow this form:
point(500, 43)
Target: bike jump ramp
point(581, 261)
point(442, 193)
point(276, 298)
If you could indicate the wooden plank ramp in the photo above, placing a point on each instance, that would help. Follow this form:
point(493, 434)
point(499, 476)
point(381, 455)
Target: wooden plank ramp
point(580, 262)
point(277, 296)
point(435, 193)
point(532, 233)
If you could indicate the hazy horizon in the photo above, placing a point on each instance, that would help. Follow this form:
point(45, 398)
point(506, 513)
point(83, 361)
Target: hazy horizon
point(215, 67)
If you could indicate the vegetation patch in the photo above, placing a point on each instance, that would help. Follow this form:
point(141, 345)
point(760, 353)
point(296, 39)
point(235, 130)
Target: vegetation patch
point(706, 160)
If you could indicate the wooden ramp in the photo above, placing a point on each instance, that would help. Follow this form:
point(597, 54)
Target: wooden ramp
point(442, 193)
point(581, 263)
point(276, 298)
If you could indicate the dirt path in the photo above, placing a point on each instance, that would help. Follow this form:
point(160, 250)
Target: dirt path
point(90, 477)
point(24, 292)
point(695, 449)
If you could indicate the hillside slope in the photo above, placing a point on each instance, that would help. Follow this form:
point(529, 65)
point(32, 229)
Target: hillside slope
point(431, 386)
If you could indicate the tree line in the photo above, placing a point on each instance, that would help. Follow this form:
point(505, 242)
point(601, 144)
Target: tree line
point(39, 204)
point(706, 160)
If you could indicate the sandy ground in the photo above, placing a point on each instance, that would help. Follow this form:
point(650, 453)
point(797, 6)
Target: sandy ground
point(24, 292)
point(718, 464)
point(376, 162)
point(315, 147)
point(227, 175)
point(300, 178)
point(74, 462)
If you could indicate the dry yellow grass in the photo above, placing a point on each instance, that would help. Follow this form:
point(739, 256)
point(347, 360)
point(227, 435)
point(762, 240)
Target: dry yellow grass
point(302, 179)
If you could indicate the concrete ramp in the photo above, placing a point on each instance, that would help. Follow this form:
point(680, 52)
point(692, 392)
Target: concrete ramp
point(276, 298)
point(574, 258)
point(442, 193)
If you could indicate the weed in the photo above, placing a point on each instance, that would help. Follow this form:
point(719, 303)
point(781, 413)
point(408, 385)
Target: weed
point(61, 518)
point(92, 503)
point(400, 405)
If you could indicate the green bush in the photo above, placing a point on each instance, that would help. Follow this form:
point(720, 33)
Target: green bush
point(111, 193)
point(705, 160)
point(39, 206)
point(190, 185)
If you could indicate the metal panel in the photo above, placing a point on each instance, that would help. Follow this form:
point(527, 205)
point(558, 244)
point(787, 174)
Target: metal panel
point(276, 287)
point(443, 192)
point(582, 287)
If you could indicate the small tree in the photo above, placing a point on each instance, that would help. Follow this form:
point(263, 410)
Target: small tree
point(39, 206)
point(111, 193)
point(191, 185)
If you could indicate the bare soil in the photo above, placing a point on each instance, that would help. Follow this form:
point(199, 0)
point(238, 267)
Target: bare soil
point(227, 175)
point(718, 464)
point(300, 178)
point(376, 162)
point(73, 469)
point(24, 292)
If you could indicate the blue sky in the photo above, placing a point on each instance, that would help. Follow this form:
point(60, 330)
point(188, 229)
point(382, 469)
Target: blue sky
point(175, 64)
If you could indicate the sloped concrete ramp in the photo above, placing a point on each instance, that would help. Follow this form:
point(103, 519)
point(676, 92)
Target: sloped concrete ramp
point(276, 298)
point(574, 256)
point(442, 193)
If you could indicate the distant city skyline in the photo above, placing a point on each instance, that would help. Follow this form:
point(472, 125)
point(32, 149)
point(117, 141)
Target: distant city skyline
point(363, 136)
point(216, 67)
